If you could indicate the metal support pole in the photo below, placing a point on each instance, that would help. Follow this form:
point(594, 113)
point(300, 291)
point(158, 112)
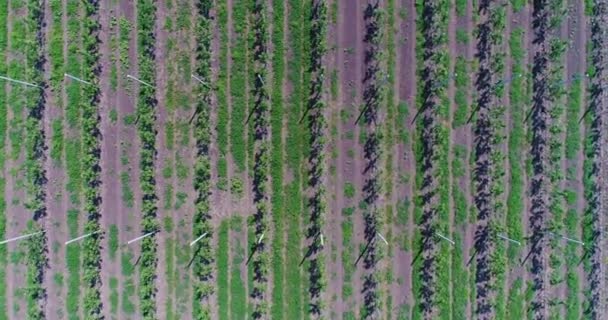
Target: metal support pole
point(142, 82)
point(81, 237)
point(20, 82)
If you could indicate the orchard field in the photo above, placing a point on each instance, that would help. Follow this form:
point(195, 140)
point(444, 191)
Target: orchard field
point(303, 159)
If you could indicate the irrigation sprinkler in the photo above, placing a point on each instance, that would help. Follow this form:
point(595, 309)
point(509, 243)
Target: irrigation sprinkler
point(201, 81)
point(82, 237)
point(255, 248)
point(445, 238)
point(197, 239)
point(141, 237)
point(368, 105)
point(20, 82)
point(140, 81)
point(509, 239)
point(566, 238)
point(76, 78)
point(381, 237)
point(21, 237)
point(310, 247)
point(368, 244)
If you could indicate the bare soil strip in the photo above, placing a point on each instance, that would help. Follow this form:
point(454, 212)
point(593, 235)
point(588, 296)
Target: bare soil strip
point(56, 201)
point(129, 213)
point(110, 214)
point(336, 182)
point(407, 107)
point(162, 35)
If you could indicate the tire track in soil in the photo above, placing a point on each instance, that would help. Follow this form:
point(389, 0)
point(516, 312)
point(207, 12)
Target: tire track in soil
point(335, 270)
point(15, 275)
point(164, 152)
point(56, 202)
point(129, 227)
point(351, 27)
point(559, 291)
point(110, 207)
point(396, 291)
point(406, 159)
point(577, 64)
point(463, 136)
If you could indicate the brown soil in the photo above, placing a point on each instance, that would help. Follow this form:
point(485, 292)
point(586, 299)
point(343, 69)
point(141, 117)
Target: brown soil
point(109, 162)
point(128, 145)
point(351, 75)
point(56, 201)
point(407, 94)
point(333, 237)
point(163, 152)
point(576, 66)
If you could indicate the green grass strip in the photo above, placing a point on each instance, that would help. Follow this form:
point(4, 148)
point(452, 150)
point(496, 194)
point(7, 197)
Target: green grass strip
point(276, 167)
point(295, 144)
point(223, 115)
point(515, 193)
point(238, 293)
point(572, 219)
point(222, 269)
point(238, 86)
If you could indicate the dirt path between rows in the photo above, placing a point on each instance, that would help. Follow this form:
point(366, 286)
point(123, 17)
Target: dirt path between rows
point(335, 269)
point(56, 200)
point(161, 51)
point(406, 160)
point(110, 193)
point(352, 27)
point(129, 226)
point(526, 23)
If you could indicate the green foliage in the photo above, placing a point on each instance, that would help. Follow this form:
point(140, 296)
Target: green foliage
point(113, 241)
point(203, 261)
point(238, 294)
point(349, 190)
point(461, 7)
point(238, 82)
point(146, 104)
point(222, 253)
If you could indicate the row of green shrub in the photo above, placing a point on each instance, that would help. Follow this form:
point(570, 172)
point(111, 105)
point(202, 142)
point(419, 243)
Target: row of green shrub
point(146, 118)
point(204, 258)
point(277, 155)
point(36, 259)
point(317, 124)
point(91, 169)
point(432, 49)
